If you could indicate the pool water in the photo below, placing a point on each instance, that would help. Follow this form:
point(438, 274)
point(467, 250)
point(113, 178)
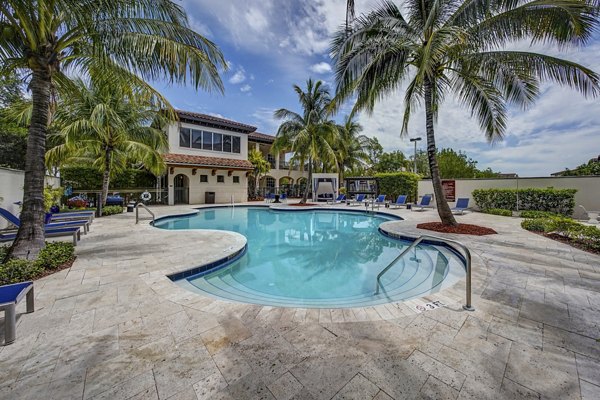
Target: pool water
point(316, 259)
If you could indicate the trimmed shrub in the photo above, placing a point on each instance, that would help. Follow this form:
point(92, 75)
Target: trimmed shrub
point(393, 184)
point(498, 211)
point(89, 178)
point(14, 271)
point(584, 235)
point(111, 210)
point(534, 225)
point(560, 201)
point(52, 256)
point(538, 214)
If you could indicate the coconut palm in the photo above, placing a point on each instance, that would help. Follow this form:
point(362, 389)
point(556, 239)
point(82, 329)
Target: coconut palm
point(351, 147)
point(459, 47)
point(310, 135)
point(260, 166)
point(50, 40)
point(110, 127)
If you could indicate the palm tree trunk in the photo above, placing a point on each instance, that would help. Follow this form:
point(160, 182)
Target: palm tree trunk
point(106, 176)
point(442, 205)
point(308, 183)
point(30, 237)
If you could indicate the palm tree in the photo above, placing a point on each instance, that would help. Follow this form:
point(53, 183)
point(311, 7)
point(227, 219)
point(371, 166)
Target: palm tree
point(351, 147)
point(310, 135)
point(46, 39)
point(459, 47)
point(109, 126)
point(260, 167)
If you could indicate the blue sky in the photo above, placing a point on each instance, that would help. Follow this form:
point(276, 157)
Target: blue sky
point(271, 45)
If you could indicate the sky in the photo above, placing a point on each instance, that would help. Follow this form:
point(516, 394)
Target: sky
point(271, 45)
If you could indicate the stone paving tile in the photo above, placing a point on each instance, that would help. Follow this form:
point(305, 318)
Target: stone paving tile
point(136, 384)
point(399, 379)
point(552, 374)
point(434, 389)
point(512, 390)
point(358, 388)
point(444, 373)
point(286, 387)
point(589, 391)
point(588, 369)
point(207, 387)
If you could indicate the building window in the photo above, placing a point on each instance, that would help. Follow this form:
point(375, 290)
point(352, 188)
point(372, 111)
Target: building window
point(184, 137)
point(203, 178)
point(226, 144)
point(220, 178)
point(236, 179)
point(270, 182)
point(207, 140)
point(196, 139)
point(217, 142)
point(236, 144)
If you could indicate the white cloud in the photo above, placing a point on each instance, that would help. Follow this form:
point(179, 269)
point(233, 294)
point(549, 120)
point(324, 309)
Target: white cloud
point(245, 88)
point(320, 68)
point(263, 118)
point(238, 77)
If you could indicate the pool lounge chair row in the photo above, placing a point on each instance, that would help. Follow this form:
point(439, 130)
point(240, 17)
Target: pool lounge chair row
point(462, 204)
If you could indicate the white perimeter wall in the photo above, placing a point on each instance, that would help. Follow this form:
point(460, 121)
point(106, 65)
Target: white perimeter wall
point(588, 187)
point(11, 190)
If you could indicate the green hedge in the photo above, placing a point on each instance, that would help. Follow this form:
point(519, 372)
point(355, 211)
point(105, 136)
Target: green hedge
point(498, 211)
point(539, 214)
point(560, 201)
point(111, 210)
point(89, 178)
point(51, 257)
point(393, 184)
point(585, 235)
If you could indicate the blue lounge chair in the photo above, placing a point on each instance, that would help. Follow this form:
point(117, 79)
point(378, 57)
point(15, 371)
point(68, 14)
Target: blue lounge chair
point(270, 197)
point(340, 199)
point(10, 295)
point(360, 199)
point(461, 206)
point(13, 219)
point(379, 200)
point(400, 201)
point(425, 200)
point(74, 231)
point(283, 197)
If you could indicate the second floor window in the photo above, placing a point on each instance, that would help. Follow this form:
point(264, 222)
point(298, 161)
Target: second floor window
point(206, 140)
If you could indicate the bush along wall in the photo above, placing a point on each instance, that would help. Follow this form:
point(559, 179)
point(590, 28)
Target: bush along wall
point(561, 201)
point(583, 236)
point(393, 184)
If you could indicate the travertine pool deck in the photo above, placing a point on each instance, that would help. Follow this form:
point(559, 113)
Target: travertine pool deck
point(114, 327)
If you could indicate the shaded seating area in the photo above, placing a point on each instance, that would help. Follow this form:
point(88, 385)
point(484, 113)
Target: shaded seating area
point(462, 204)
point(425, 203)
point(10, 296)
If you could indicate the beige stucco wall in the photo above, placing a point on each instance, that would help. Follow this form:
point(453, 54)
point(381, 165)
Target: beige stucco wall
point(223, 191)
point(11, 190)
point(174, 143)
point(588, 187)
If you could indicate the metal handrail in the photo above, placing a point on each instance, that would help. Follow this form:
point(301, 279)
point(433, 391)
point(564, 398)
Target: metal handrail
point(137, 213)
point(450, 242)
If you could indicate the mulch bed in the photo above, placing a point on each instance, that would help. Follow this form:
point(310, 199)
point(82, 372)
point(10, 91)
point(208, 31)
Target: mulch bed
point(570, 242)
point(47, 272)
point(302, 205)
point(463, 229)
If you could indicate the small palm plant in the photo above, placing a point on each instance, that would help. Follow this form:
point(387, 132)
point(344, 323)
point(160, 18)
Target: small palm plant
point(434, 48)
point(310, 135)
point(110, 127)
point(49, 41)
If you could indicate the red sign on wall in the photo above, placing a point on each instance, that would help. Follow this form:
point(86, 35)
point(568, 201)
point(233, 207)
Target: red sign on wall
point(449, 187)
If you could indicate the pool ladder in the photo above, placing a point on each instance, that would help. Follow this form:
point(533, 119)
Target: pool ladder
point(449, 242)
point(137, 212)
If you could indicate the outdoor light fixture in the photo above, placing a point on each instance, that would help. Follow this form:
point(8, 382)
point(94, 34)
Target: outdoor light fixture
point(415, 140)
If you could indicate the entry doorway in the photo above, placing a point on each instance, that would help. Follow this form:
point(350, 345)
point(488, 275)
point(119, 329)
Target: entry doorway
point(182, 190)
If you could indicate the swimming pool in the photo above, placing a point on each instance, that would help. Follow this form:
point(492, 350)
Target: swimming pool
point(316, 259)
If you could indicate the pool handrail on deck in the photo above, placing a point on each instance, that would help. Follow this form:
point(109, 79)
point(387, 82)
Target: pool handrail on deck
point(449, 242)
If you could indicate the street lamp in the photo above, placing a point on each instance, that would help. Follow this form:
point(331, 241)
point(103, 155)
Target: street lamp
point(415, 140)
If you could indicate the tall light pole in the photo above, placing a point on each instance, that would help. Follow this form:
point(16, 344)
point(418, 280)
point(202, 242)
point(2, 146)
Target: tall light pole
point(415, 140)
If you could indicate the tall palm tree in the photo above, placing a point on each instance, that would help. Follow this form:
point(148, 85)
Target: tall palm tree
point(459, 47)
point(48, 40)
point(310, 135)
point(109, 126)
point(351, 147)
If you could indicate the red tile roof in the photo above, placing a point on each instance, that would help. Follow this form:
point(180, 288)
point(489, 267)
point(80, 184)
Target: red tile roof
point(261, 137)
point(203, 161)
point(209, 120)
